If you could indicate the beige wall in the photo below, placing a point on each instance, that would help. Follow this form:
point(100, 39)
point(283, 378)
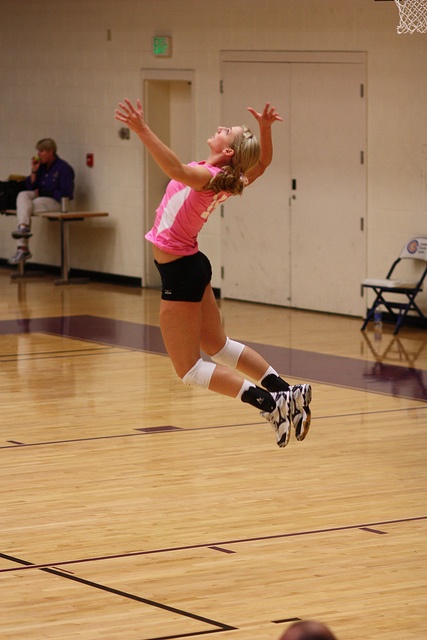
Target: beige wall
point(61, 76)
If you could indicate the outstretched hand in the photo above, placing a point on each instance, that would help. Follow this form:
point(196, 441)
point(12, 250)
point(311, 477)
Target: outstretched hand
point(267, 117)
point(132, 116)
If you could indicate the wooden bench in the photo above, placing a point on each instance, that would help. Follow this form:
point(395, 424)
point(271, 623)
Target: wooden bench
point(64, 219)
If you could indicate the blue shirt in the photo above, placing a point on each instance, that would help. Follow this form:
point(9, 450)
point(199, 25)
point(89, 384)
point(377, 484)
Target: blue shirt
point(56, 181)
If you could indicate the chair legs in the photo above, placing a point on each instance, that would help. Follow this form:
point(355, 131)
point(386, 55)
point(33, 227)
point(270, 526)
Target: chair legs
point(390, 306)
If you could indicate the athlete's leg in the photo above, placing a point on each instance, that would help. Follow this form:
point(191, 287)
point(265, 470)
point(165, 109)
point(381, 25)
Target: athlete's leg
point(235, 355)
point(180, 323)
point(182, 327)
point(215, 343)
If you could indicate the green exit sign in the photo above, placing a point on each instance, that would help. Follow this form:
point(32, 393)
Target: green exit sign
point(162, 46)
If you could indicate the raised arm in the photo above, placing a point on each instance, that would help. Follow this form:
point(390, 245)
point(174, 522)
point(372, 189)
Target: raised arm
point(265, 121)
point(195, 177)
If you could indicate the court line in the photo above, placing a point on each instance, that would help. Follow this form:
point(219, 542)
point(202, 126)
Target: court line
point(145, 431)
point(65, 353)
point(370, 530)
point(285, 620)
point(207, 545)
point(130, 596)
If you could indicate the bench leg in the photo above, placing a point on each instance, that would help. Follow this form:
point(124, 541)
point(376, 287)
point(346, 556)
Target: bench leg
point(65, 257)
point(21, 273)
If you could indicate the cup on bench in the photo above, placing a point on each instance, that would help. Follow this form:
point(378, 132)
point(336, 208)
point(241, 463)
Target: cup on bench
point(64, 205)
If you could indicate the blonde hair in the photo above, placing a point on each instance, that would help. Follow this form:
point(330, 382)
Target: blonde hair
point(231, 178)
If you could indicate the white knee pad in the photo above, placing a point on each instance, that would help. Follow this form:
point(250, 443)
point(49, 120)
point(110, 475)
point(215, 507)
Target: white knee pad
point(200, 375)
point(230, 353)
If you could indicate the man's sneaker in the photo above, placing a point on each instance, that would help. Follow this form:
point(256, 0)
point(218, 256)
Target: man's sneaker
point(20, 256)
point(300, 410)
point(280, 417)
point(22, 232)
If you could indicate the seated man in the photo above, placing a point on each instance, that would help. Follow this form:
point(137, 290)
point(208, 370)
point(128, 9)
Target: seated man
point(51, 179)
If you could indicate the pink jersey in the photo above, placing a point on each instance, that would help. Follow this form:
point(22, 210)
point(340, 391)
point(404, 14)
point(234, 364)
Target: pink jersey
point(181, 215)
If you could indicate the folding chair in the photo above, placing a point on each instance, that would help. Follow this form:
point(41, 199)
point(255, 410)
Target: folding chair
point(415, 249)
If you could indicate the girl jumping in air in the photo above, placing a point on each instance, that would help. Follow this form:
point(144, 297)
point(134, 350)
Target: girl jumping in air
point(189, 315)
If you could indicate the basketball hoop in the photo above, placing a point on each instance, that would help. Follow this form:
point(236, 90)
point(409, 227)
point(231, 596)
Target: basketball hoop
point(413, 16)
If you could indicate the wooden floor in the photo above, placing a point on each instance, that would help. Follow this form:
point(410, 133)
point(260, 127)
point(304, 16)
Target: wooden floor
point(133, 507)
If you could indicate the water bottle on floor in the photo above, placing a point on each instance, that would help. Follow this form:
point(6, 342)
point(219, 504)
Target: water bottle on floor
point(378, 323)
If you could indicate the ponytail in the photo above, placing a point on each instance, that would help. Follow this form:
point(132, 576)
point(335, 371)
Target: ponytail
point(232, 178)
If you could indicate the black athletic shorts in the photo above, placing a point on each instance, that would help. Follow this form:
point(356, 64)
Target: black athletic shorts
point(186, 278)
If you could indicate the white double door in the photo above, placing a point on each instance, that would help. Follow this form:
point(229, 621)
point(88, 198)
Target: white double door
point(296, 237)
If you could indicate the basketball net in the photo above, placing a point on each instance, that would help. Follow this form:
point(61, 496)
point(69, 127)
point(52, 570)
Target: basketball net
point(413, 16)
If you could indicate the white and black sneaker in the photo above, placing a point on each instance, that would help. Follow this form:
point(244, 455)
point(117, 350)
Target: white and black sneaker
point(280, 417)
point(300, 411)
